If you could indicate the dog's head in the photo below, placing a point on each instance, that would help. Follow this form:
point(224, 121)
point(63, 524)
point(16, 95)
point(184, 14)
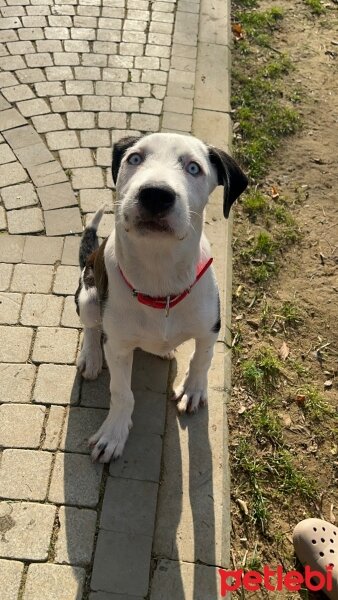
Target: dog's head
point(163, 181)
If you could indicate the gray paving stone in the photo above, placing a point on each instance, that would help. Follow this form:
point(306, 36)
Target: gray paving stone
point(7, 79)
point(91, 200)
point(41, 250)
point(49, 88)
point(80, 120)
point(76, 157)
point(151, 106)
point(30, 75)
point(129, 506)
point(12, 173)
point(108, 88)
point(66, 58)
point(129, 104)
point(25, 220)
point(54, 344)
point(173, 579)
point(57, 384)
point(61, 104)
point(32, 278)
point(12, 63)
point(28, 528)
point(81, 423)
point(112, 120)
point(177, 122)
point(41, 309)
point(66, 280)
point(87, 178)
point(58, 195)
point(53, 428)
point(25, 464)
point(22, 137)
point(40, 59)
point(145, 122)
point(75, 480)
point(48, 173)
point(96, 394)
point(30, 108)
point(79, 88)
point(5, 276)
point(122, 563)
point(63, 221)
point(141, 458)
point(16, 382)
point(75, 540)
point(18, 196)
point(95, 103)
point(56, 33)
point(17, 93)
point(21, 425)
point(70, 317)
point(59, 140)
point(95, 60)
point(70, 254)
point(173, 104)
point(10, 578)
point(210, 56)
point(15, 344)
point(10, 305)
point(93, 138)
point(6, 154)
point(46, 123)
point(11, 248)
point(55, 582)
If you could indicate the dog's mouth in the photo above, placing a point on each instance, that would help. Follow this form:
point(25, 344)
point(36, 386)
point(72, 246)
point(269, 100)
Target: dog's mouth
point(158, 225)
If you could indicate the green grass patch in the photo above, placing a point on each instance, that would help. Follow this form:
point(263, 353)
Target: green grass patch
point(314, 405)
point(315, 6)
point(262, 371)
point(254, 204)
point(263, 114)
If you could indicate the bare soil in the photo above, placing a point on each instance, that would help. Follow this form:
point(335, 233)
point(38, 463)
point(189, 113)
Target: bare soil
point(305, 171)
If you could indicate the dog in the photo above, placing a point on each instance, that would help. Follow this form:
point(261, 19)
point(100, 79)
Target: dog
point(150, 284)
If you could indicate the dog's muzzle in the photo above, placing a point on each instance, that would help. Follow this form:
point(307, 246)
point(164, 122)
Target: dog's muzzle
point(156, 201)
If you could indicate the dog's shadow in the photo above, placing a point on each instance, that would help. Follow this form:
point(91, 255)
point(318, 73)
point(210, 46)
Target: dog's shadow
point(97, 527)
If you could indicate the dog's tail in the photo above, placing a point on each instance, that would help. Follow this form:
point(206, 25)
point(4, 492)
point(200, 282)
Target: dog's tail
point(89, 240)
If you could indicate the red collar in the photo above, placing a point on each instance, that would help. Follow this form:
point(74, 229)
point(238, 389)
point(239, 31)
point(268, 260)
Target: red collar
point(167, 302)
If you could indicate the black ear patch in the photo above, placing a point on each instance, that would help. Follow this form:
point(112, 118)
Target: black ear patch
point(119, 150)
point(230, 175)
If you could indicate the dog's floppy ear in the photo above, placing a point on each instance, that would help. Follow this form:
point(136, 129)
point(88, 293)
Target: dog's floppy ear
point(119, 150)
point(230, 175)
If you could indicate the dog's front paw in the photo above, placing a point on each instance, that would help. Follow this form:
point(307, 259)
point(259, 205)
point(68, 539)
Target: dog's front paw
point(90, 362)
point(109, 441)
point(191, 394)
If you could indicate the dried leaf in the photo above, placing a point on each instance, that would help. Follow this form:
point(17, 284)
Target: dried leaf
point(328, 384)
point(300, 398)
point(274, 193)
point(284, 351)
point(237, 30)
point(243, 506)
point(334, 450)
point(241, 409)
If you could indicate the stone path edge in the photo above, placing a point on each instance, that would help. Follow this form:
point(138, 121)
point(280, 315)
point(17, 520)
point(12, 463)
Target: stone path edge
point(219, 77)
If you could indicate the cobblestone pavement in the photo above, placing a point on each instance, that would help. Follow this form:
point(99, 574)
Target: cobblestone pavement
point(76, 75)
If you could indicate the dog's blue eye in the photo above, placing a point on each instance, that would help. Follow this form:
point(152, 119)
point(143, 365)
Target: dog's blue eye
point(134, 159)
point(193, 168)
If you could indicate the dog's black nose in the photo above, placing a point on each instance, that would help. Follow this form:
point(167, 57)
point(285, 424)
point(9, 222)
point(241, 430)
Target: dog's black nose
point(157, 200)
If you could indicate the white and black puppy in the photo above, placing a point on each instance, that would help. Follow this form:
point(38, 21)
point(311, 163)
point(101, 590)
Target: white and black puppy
point(150, 285)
